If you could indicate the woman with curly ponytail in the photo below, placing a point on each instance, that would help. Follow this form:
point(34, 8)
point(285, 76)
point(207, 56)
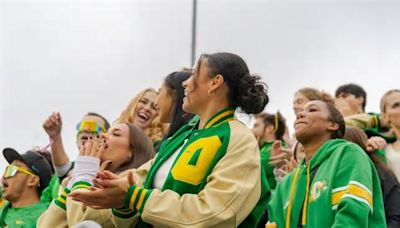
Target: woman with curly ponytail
point(208, 174)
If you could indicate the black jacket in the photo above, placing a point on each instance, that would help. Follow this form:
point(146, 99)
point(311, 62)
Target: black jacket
point(391, 196)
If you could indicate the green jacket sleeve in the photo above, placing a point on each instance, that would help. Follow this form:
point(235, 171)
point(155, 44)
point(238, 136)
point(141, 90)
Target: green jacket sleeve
point(268, 170)
point(65, 212)
point(356, 194)
point(127, 217)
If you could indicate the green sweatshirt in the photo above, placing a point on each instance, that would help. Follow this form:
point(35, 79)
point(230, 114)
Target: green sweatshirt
point(2, 201)
point(21, 217)
point(215, 181)
point(344, 191)
point(51, 191)
point(265, 152)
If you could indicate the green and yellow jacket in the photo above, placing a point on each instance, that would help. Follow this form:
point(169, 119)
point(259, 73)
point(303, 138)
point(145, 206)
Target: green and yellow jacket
point(339, 187)
point(215, 181)
point(370, 123)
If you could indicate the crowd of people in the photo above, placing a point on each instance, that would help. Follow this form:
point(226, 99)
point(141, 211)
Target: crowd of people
point(178, 157)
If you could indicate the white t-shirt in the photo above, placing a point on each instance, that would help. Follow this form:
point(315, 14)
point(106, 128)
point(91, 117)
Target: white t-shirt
point(393, 160)
point(163, 171)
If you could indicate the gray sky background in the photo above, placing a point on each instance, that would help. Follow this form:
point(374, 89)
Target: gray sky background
point(76, 56)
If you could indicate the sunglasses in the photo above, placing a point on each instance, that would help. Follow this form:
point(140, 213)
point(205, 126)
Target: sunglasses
point(92, 126)
point(12, 170)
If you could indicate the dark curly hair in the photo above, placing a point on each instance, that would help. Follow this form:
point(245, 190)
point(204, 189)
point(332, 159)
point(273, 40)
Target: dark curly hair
point(245, 90)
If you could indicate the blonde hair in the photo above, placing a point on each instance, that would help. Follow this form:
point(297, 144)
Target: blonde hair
point(384, 98)
point(314, 94)
point(155, 131)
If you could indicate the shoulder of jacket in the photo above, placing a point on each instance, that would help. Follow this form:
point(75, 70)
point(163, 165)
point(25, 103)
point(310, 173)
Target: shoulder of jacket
point(237, 126)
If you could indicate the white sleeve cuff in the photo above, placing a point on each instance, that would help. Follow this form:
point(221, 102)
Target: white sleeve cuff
point(85, 169)
point(63, 170)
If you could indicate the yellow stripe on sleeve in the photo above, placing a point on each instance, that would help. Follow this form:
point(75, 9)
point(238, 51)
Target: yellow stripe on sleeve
point(354, 190)
point(337, 196)
point(133, 197)
point(360, 192)
point(142, 195)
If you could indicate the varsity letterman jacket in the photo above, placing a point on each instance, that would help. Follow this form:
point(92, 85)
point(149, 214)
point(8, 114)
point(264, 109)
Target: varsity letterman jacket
point(215, 181)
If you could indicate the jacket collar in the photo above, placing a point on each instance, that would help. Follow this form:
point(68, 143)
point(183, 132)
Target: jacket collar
point(222, 116)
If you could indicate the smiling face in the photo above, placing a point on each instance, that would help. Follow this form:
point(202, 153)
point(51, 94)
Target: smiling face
point(313, 122)
point(196, 88)
point(146, 110)
point(118, 149)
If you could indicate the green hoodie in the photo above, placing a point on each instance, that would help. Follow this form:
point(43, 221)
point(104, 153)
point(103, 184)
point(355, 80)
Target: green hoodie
point(344, 191)
point(51, 191)
point(265, 154)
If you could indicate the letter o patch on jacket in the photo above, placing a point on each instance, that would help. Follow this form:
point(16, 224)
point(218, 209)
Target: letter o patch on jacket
point(192, 165)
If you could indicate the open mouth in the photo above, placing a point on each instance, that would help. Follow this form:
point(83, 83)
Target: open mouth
point(5, 184)
point(144, 116)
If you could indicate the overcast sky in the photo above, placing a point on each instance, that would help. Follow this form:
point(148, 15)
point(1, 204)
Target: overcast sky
point(76, 56)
